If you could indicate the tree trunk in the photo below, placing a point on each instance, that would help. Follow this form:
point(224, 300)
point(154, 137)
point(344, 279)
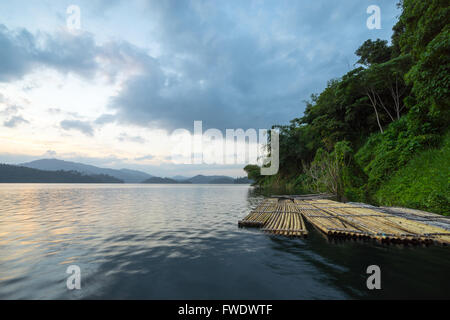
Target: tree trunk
point(374, 105)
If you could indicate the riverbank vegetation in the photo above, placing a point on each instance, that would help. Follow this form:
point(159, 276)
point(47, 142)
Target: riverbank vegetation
point(379, 134)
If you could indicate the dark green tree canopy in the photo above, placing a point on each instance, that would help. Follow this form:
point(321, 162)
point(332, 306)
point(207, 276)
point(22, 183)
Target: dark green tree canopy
point(371, 52)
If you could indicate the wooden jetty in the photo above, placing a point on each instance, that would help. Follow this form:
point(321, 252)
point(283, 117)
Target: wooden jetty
point(284, 216)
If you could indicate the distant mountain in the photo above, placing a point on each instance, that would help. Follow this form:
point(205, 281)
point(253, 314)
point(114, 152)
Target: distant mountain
point(160, 180)
point(180, 178)
point(18, 174)
point(207, 179)
point(221, 180)
point(201, 179)
point(126, 175)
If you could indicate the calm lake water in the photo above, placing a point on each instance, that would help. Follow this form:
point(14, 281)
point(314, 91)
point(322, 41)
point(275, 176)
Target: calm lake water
point(182, 242)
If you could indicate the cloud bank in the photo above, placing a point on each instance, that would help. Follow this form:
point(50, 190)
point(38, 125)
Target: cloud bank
point(231, 64)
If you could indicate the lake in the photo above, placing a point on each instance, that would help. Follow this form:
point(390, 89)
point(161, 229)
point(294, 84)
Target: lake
point(182, 242)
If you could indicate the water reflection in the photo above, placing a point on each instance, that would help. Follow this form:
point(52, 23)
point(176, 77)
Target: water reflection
point(182, 242)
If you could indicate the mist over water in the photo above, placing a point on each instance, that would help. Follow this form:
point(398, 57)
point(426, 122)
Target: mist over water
point(182, 242)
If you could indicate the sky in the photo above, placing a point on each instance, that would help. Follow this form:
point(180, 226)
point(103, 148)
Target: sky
point(112, 89)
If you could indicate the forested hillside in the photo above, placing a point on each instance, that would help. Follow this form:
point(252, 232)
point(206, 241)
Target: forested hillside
point(18, 174)
point(378, 134)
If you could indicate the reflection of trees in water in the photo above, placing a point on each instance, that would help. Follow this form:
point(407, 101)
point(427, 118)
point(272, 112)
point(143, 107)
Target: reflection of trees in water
point(329, 268)
point(254, 197)
point(254, 192)
point(406, 272)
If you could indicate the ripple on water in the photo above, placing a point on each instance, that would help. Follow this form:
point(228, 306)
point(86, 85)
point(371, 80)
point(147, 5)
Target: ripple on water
point(182, 242)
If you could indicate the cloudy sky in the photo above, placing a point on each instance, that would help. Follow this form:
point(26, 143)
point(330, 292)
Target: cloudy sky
point(112, 92)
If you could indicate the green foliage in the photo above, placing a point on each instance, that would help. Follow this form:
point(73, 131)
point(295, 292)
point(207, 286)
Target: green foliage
point(383, 154)
point(424, 183)
point(371, 52)
point(337, 172)
point(425, 34)
point(286, 185)
point(420, 22)
point(254, 173)
point(430, 78)
point(352, 176)
point(392, 110)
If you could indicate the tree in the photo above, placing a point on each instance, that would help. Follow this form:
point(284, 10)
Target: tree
point(400, 90)
point(394, 71)
point(254, 173)
point(385, 87)
point(336, 172)
point(371, 52)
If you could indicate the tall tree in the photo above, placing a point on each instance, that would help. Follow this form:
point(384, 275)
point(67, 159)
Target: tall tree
point(371, 52)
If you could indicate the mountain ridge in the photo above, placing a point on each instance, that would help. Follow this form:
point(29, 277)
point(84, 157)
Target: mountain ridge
point(126, 175)
point(20, 174)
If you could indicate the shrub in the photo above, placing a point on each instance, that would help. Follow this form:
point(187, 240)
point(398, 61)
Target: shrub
point(423, 183)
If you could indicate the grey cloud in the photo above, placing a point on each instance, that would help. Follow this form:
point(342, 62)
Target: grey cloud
point(54, 110)
point(65, 52)
point(10, 110)
point(78, 125)
point(105, 118)
point(229, 63)
point(50, 154)
point(147, 157)
point(16, 55)
point(240, 64)
point(22, 52)
point(15, 121)
point(58, 111)
point(14, 118)
point(68, 52)
point(125, 137)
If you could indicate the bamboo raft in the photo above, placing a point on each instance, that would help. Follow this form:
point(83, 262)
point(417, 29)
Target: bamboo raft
point(284, 216)
point(277, 216)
